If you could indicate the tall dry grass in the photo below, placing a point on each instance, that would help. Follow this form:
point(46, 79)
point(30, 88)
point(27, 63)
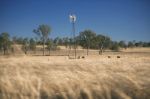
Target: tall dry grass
point(95, 77)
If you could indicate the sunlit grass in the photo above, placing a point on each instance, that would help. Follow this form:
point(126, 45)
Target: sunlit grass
point(57, 77)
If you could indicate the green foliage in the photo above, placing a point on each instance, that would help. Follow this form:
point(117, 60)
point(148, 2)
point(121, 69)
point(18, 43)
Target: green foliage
point(100, 39)
point(32, 44)
point(115, 46)
point(25, 46)
point(102, 42)
point(5, 43)
point(1, 43)
point(89, 39)
point(18, 40)
point(139, 44)
point(49, 44)
point(134, 43)
point(130, 44)
point(57, 41)
point(86, 38)
point(146, 44)
point(66, 41)
point(43, 31)
point(122, 44)
point(107, 42)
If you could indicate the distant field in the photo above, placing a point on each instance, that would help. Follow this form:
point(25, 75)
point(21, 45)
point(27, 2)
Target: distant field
point(140, 49)
point(93, 77)
point(63, 51)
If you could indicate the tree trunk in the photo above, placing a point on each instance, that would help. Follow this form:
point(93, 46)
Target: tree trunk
point(101, 50)
point(35, 51)
point(49, 52)
point(4, 51)
point(87, 50)
point(25, 50)
point(4, 48)
point(43, 46)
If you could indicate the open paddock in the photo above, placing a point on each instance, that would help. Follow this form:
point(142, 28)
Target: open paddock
point(92, 77)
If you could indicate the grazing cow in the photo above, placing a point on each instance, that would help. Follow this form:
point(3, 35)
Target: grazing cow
point(118, 56)
point(109, 56)
point(83, 57)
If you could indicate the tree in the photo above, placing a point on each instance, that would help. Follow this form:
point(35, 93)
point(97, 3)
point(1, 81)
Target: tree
point(107, 43)
point(115, 46)
point(66, 41)
point(5, 42)
point(49, 45)
point(43, 31)
point(1, 44)
point(130, 44)
point(32, 44)
point(71, 42)
point(146, 44)
point(25, 45)
point(86, 39)
point(139, 44)
point(122, 44)
point(18, 40)
point(58, 41)
point(100, 42)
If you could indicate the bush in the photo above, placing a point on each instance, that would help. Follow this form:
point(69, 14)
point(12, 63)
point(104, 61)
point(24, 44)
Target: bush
point(115, 46)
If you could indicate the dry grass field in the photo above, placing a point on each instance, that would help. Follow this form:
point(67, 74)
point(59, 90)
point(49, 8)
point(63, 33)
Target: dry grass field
point(93, 77)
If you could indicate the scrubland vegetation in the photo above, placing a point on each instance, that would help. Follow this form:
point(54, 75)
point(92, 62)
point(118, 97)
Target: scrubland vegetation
point(41, 67)
point(86, 39)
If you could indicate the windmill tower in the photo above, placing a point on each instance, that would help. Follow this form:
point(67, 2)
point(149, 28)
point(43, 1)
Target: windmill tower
point(72, 18)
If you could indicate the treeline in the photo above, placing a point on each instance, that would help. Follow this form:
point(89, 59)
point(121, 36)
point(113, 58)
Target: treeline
point(87, 39)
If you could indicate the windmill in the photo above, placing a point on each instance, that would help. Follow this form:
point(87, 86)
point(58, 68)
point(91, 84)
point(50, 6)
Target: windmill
point(72, 18)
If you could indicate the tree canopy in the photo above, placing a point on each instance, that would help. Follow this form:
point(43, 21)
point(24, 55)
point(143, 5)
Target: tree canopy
point(43, 31)
point(5, 42)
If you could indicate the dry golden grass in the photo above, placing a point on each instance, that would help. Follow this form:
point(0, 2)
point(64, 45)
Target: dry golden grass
point(137, 49)
point(57, 77)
